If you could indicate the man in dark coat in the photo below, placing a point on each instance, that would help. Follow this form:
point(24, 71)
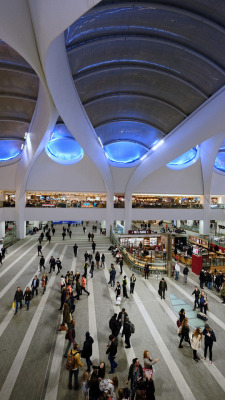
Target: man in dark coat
point(124, 285)
point(127, 333)
point(75, 247)
point(162, 288)
point(18, 298)
point(112, 351)
point(202, 278)
point(87, 350)
point(34, 285)
point(114, 325)
point(121, 318)
point(209, 339)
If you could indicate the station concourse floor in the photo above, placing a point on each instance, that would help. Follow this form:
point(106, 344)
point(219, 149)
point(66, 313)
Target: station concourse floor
point(32, 366)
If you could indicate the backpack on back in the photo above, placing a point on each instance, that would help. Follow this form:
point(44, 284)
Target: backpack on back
point(132, 328)
point(71, 361)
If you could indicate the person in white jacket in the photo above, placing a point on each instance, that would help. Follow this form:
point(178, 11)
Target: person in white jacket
point(177, 271)
point(196, 340)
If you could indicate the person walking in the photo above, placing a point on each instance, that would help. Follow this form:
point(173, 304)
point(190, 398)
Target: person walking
point(89, 236)
point(35, 285)
point(112, 352)
point(83, 285)
point(196, 340)
point(184, 333)
point(18, 298)
point(75, 247)
point(185, 273)
point(196, 293)
point(162, 288)
point(63, 235)
point(70, 336)
point(86, 266)
point(209, 339)
point(97, 259)
point(103, 260)
point(112, 276)
point(93, 247)
point(121, 265)
point(87, 350)
point(132, 283)
point(39, 248)
point(27, 297)
point(78, 289)
point(59, 265)
point(177, 271)
point(148, 363)
point(124, 285)
point(42, 263)
point(44, 281)
point(52, 264)
point(53, 231)
point(75, 353)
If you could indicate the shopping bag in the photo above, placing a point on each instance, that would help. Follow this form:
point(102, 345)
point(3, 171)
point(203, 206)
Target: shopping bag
point(14, 305)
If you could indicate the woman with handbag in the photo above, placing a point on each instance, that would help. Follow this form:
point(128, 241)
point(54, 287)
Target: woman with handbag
point(148, 363)
point(184, 332)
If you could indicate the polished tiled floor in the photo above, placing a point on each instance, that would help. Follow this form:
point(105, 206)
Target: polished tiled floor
point(32, 364)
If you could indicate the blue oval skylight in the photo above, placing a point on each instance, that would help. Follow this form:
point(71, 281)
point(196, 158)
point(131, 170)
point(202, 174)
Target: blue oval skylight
point(62, 147)
point(124, 152)
point(220, 159)
point(10, 149)
point(185, 160)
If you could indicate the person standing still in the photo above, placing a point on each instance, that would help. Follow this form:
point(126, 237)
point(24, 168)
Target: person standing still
point(177, 271)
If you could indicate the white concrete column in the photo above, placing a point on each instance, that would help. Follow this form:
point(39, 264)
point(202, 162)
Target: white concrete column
point(178, 224)
point(103, 224)
point(109, 213)
point(2, 229)
point(128, 213)
point(20, 217)
point(36, 224)
point(204, 225)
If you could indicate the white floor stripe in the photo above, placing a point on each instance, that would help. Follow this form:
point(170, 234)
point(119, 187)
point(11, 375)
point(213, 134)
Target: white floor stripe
point(10, 314)
point(191, 298)
point(211, 368)
point(17, 259)
point(181, 383)
point(18, 249)
point(7, 287)
point(53, 382)
point(14, 371)
point(129, 352)
point(92, 322)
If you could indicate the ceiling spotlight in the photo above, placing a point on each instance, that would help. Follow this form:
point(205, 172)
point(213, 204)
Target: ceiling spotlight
point(22, 146)
point(158, 144)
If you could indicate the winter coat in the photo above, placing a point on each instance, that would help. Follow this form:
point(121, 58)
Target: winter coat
point(209, 339)
point(196, 342)
point(18, 296)
point(87, 347)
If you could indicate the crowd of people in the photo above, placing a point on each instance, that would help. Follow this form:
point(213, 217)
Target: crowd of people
point(72, 286)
